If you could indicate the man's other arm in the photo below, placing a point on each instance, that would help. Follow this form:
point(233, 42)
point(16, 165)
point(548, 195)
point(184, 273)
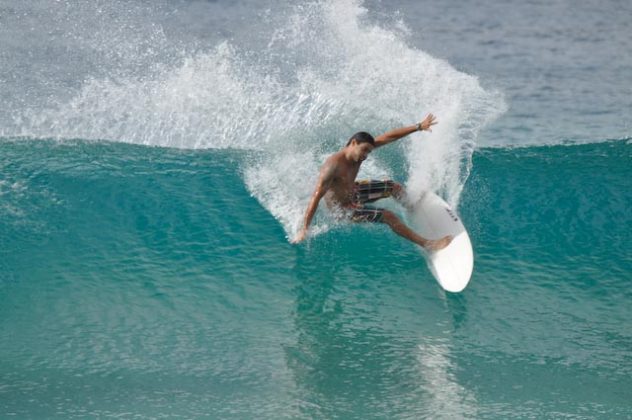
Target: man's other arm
point(398, 133)
point(324, 182)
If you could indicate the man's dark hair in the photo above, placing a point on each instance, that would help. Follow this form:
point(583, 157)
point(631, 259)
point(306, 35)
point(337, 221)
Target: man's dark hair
point(362, 137)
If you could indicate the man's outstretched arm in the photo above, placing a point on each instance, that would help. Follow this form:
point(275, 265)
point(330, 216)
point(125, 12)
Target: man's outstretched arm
point(324, 182)
point(398, 133)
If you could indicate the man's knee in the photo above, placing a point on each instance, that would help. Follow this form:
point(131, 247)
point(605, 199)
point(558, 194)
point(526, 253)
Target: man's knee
point(389, 217)
point(398, 191)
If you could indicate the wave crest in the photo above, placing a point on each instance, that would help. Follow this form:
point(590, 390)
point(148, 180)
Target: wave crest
point(326, 73)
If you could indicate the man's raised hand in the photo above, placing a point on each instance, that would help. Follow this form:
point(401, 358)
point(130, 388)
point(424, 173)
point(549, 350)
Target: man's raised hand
point(428, 122)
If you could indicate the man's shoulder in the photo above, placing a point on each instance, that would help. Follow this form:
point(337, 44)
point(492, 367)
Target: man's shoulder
point(332, 164)
point(335, 158)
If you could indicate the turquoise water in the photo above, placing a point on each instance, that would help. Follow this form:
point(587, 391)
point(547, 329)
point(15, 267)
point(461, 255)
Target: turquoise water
point(155, 157)
point(148, 281)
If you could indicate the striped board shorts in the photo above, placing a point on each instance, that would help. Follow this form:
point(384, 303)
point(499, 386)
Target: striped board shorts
point(368, 191)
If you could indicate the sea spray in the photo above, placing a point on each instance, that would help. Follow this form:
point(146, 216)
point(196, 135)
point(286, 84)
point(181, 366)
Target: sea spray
point(325, 74)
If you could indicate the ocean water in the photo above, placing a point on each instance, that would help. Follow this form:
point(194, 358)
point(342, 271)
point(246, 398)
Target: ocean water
point(155, 157)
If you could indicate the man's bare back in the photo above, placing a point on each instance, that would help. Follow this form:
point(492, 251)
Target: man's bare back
point(337, 184)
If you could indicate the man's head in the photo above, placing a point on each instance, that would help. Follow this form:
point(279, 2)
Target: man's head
point(360, 145)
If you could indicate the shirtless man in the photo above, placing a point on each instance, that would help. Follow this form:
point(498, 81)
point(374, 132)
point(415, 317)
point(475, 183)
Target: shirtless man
point(343, 194)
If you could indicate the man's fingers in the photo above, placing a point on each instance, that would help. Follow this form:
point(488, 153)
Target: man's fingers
point(428, 122)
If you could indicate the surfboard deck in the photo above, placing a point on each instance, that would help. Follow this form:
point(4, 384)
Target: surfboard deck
point(433, 218)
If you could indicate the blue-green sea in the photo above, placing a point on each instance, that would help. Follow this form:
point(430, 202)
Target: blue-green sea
point(148, 281)
point(156, 158)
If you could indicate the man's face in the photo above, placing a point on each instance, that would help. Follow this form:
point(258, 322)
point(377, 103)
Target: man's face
point(360, 151)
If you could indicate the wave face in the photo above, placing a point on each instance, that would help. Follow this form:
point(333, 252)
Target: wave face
point(149, 281)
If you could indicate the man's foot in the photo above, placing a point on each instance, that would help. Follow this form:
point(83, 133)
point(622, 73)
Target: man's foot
point(437, 244)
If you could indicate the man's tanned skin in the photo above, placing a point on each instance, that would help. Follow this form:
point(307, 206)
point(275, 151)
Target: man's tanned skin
point(337, 184)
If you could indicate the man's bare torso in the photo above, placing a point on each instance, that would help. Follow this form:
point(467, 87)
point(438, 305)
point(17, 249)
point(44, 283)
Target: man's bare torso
point(341, 190)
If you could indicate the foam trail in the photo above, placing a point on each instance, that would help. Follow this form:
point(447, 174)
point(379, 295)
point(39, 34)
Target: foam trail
point(326, 73)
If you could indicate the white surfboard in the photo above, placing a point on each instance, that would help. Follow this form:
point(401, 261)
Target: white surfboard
point(433, 218)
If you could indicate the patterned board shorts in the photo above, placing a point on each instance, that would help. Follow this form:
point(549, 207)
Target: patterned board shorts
point(368, 191)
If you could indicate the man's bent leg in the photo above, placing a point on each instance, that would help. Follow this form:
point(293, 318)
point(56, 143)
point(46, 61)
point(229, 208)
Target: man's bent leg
point(404, 231)
point(369, 191)
point(400, 195)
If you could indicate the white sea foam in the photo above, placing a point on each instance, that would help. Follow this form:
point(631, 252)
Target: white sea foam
point(325, 74)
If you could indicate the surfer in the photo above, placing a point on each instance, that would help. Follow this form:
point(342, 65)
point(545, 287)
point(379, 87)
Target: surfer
point(347, 197)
